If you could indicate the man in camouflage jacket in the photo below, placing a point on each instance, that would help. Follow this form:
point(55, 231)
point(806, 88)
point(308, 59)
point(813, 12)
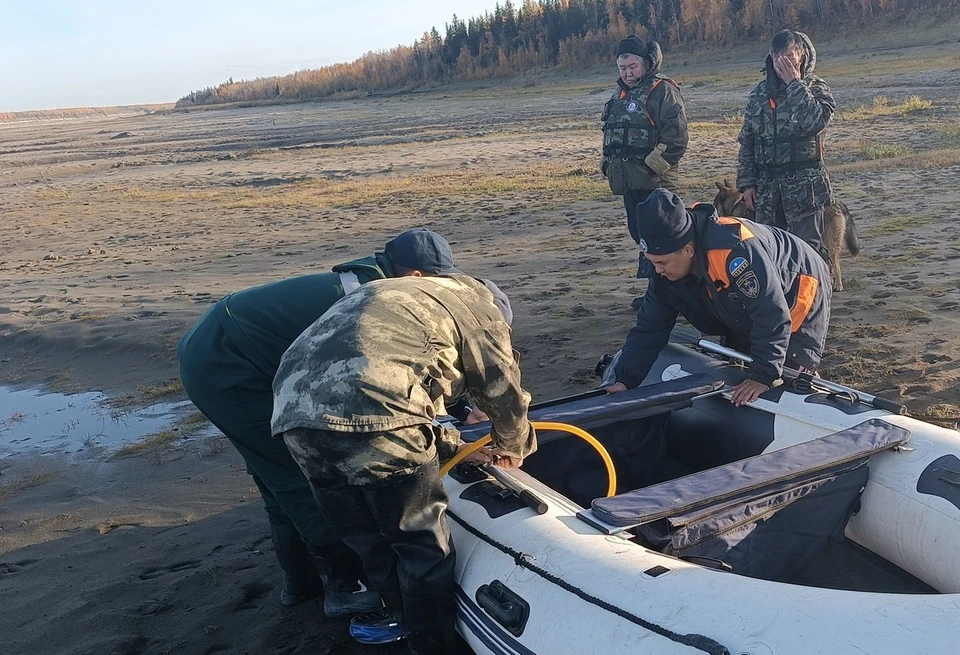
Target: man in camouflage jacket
point(227, 364)
point(780, 164)
point(644, 127)
point(355, 400)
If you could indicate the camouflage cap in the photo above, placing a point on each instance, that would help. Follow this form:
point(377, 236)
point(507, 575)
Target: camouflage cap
point(422, 250)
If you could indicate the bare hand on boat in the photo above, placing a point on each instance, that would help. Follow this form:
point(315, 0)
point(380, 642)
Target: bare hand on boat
point(476, 416)
point(617, 386)
point(506, 461)
point(482, 456)
point(746, 392)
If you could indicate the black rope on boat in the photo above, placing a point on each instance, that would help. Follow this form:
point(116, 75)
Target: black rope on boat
point(700, 642)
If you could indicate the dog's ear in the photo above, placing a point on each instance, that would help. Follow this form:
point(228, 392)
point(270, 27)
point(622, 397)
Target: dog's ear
point(720, 185)
point(726, 183)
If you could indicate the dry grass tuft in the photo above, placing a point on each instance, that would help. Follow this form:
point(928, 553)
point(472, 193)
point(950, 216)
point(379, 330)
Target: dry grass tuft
point(22, 484)
point(151, 392)
point(707, 129)
point(951, 135)
point(854, 283)
point(882, 107)
point(876, 150)
point(183, 428)
point(897, 224)
point(567, 184)
point(925, 160)
point(162, 439)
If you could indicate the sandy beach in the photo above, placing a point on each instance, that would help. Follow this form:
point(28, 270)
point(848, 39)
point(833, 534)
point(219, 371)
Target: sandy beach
point(120, 231)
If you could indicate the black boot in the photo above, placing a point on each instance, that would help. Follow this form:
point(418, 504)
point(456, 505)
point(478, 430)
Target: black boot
point(435, 632)
point(344, 590)
point(300, 579)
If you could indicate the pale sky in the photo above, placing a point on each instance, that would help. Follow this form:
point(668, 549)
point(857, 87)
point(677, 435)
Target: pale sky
point(71, 53)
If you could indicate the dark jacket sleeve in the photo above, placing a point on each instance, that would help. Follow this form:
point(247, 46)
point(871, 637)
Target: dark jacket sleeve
point(647, 339)
point(746, 157)
point(812, 105)
point(671, 121)
point(768, 312)
point(492, 377)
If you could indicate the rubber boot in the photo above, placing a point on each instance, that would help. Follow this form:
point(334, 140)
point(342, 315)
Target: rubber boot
point(344, 590)
point(300, 579)
point(439, 636)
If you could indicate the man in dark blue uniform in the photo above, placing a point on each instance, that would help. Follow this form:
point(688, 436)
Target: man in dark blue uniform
point(765, 290)
point(227, 364)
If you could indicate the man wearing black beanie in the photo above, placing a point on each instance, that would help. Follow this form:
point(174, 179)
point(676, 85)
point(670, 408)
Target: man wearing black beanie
point(644, 127)
point(764, 289)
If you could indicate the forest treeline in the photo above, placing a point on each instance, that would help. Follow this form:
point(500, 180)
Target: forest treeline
point(552, 33)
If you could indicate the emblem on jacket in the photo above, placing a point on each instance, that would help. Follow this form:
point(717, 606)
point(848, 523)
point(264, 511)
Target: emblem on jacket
point(749, 285)
point(632, 106)
point(738, 266)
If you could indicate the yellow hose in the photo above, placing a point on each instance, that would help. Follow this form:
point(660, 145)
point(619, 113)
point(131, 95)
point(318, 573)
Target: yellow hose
point(542, 425)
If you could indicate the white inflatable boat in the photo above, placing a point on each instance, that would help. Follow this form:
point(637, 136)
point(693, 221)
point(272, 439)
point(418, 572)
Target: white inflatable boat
point(808, 522)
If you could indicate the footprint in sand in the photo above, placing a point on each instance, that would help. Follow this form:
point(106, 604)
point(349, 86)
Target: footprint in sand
point(154, 606)
point(12, 568)
point(156, 572)
point(219, 648)
point(252, 593)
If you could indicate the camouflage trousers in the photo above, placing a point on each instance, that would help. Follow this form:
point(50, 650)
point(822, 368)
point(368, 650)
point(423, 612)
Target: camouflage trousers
point(807, 226)
point(795, 203)
point(397, 527)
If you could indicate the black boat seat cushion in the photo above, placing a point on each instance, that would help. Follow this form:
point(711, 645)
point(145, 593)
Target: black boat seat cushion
point(597, 411)
point(725, 483)
point(768, 516)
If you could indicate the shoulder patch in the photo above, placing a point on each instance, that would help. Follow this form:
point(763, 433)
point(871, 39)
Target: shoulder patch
point(749, 285)
point(738, 266)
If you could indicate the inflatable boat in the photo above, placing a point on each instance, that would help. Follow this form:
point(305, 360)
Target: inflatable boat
point(815, 520)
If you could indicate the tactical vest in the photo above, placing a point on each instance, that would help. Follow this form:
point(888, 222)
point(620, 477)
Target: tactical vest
point(628, 127)
point(777, 146)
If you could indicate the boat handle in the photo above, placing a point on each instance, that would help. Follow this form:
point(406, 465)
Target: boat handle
point(708, 562)
point(949, 476)
point(504, 606)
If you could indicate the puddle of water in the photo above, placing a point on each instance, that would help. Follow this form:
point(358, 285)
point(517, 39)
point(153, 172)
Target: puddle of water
point(49, 423)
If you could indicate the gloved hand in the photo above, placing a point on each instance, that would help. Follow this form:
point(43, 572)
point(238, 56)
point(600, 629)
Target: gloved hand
point(655, 161)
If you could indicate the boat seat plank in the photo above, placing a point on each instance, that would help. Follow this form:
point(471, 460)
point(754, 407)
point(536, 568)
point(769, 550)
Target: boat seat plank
point(598, 410)
point(674, 498)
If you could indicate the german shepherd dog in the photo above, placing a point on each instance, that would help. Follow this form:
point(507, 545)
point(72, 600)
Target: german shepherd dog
point(838, 227)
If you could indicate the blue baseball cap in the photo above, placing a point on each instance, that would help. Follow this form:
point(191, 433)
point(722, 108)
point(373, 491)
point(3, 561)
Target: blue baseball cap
point(422, 250)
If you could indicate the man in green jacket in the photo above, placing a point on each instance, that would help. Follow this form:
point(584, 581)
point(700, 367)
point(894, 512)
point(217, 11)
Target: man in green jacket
point(644, 128)
point(227, 364)
point(780, 167)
